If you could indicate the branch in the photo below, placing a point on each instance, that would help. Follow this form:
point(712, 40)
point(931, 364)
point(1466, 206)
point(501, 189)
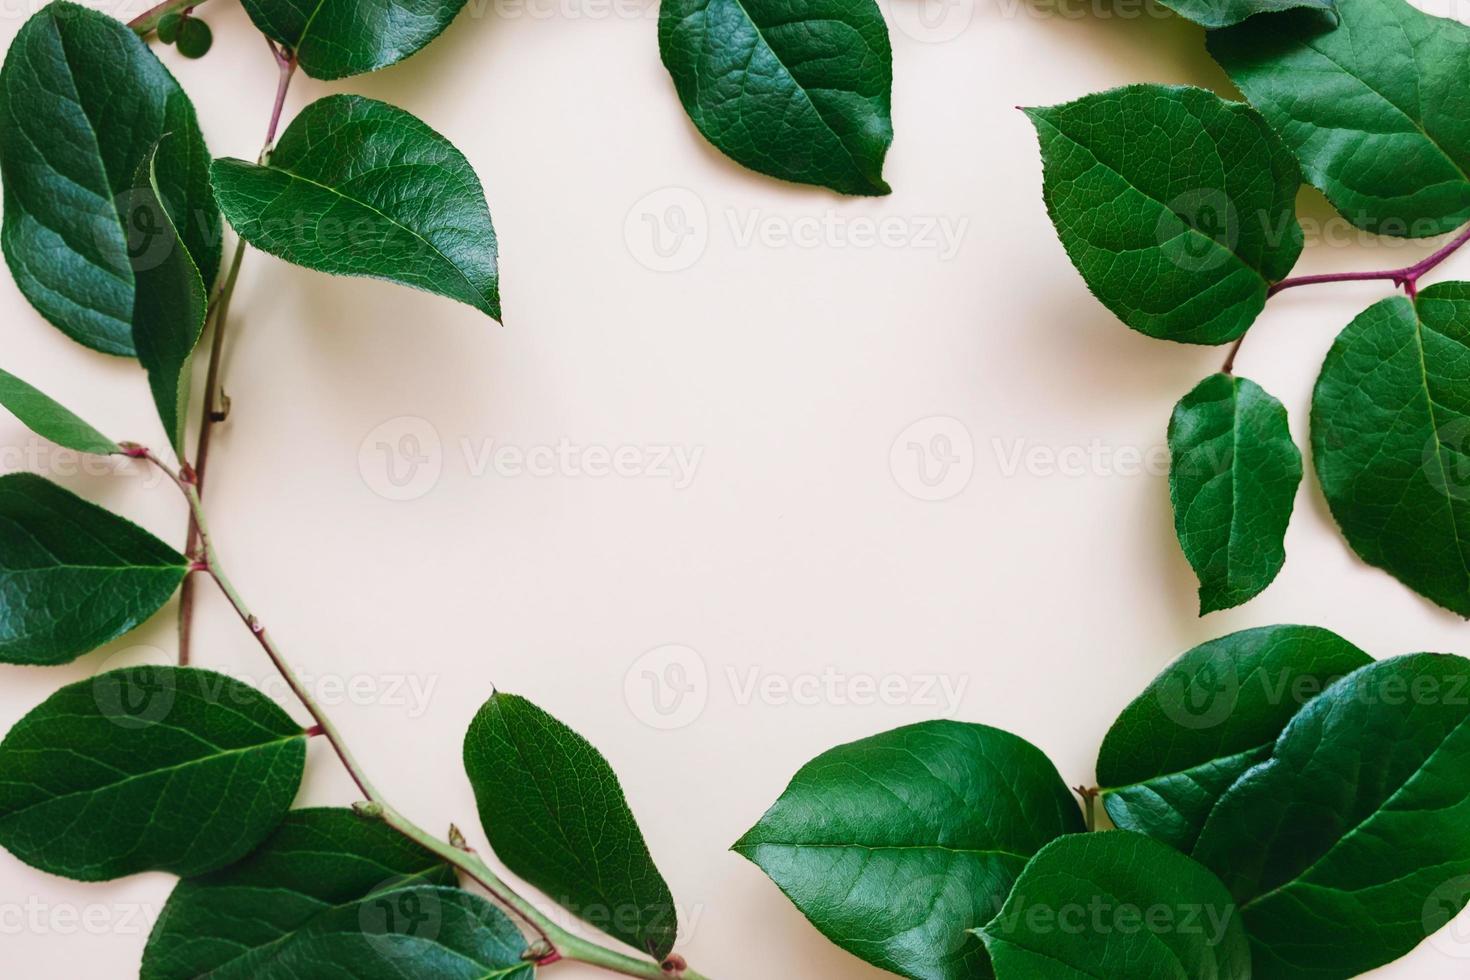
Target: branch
point(559, 943)
point(215, 405)
point(1406, 278)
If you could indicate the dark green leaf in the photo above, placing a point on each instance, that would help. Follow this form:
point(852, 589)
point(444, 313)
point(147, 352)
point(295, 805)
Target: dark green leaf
point(1390, 437)
point(1233, 476)
point(82, 104)
point(337, 38)
point(194, 38)
point(168, 27)
point(72, 575)
point(169, 310)
point(418, 932)
point(1223, 13)
point(895, 846)
point(555, 814)
point(51, 420)
point(359, 188)
point(1115, 905)
point(1177, 207)
point(147, 769)
point(1372, 106)
point(234, 922)
point(800, 90)
point(1210, 716)
point(1340, 848)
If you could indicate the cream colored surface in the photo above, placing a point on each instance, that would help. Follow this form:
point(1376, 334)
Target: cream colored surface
point(1045, 591)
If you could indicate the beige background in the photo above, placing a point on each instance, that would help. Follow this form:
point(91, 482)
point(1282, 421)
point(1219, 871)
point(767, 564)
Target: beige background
point(1045, 591)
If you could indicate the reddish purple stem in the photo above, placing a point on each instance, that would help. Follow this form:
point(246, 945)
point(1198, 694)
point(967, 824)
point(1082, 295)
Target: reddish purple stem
point(1407, 277)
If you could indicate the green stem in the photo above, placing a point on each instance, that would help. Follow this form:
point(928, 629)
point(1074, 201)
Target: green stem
point(561, 945)
point(215, 405)
point(214, 411)
point(147, 22)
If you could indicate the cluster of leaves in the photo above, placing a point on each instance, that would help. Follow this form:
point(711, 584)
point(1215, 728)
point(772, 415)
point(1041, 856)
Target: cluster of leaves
point(187, 771)
point(1287, 808)
point(112, 227)
point(1178, 209)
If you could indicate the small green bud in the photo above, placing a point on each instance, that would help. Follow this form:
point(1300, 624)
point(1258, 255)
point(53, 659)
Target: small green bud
point(195, 38)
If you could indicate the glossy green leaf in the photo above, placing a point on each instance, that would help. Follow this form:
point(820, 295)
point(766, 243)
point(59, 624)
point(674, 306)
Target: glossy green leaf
point(84, 102)
point(1390, 436)
point(555, 814)
point(147, 769)
point(427, 932)
point(235, 922)
point(799, 91)
point(1348, 846)
point(1178, 208)
point(72, 575)
point(1117, 904)
point(360, 188)
point(895, 846)
point(194, 38)
point(1210, 716)
point(1372, 105)
point(1224, 13)
point(168, 313)
point(337, 38)
point(1233, 475)
point(51, 420)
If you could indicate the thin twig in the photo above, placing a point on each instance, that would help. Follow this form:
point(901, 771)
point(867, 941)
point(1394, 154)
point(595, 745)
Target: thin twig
point(215, 404)
point(1407, 278)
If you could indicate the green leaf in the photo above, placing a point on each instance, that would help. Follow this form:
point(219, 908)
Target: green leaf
point(1390, 434)
point(72, 575)
point(170, 306)
point(1233, 475)
point(1117, 904)
point(1372, 106)
point(1210, 716)
point(1224, 13)
point(194, 38)
point(234, 922)
point(1346, 847)
point(360, 188)
point(418, 932)
point(337, 38)
point(49, 419)
point(555, 814)
point(799, 91)
point(147, 769)
point(895, 846)
point(82, 104)
point(1178, 208)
